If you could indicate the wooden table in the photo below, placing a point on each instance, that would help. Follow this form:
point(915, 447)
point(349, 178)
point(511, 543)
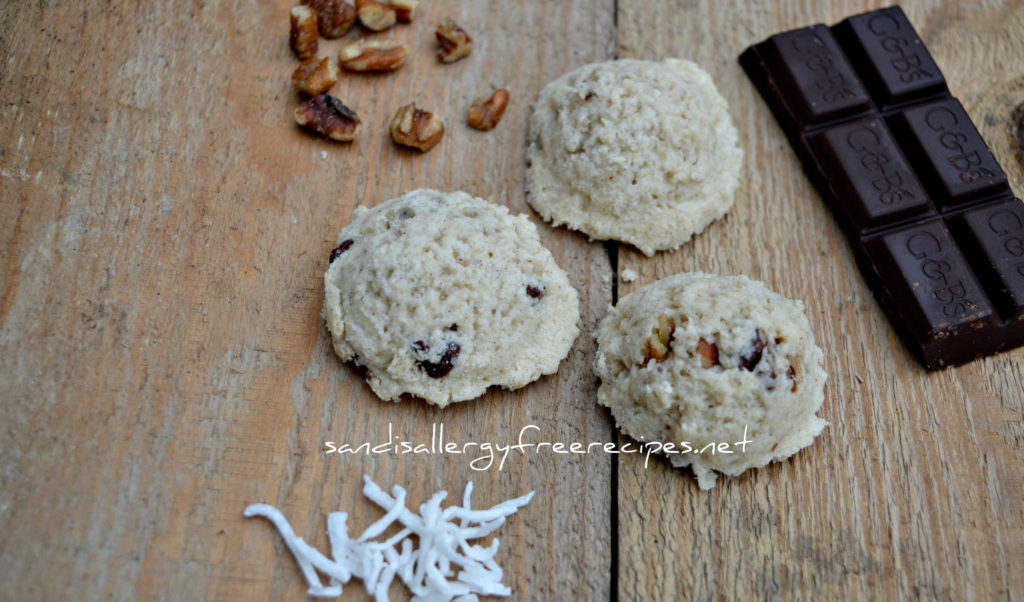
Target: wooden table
point(163, 362)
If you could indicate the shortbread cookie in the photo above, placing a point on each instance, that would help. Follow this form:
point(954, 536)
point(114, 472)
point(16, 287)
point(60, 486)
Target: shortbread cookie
point(441, 295)
point(638, 151)
point(700, 361)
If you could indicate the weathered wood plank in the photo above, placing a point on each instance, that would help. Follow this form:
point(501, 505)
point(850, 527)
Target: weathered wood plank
point(165, 228)
point(163, 364)
point(915, 489)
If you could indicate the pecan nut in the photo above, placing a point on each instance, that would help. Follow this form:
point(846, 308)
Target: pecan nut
point(405, 10)
point(416, 128)
point(375, 15)
point(485, 113)
point(659, 345)
point(315, 77)
point(455, 42)
point(707, 352)
point(303, 37)
point(329, 117)
point(334, 17)
point(371, 54)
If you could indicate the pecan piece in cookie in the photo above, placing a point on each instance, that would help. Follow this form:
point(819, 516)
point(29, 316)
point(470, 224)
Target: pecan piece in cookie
point(707, 352)
point(659, 345)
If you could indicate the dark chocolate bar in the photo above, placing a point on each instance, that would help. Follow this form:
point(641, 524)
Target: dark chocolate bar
point(926, 207)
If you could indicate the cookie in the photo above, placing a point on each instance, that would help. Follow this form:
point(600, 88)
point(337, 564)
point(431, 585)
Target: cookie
point(700, 361)
point(637, 151)
point(440, 295)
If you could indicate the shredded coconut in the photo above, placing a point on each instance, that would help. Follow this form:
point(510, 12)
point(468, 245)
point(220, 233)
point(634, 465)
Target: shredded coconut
point(427, 570)
point(629, 275)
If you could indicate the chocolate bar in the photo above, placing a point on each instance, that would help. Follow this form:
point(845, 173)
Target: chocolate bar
point(927, 209)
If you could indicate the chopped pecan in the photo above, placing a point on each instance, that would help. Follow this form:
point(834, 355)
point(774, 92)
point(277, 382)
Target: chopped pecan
point(303, 37)
point(329, 117)
point(659, 345)
point(334, 17)
point(375, 15)
point(405, 10)
point(373, 54)
point(315, 77)
point(707, 352)
point(485, 113)
point(455, 42)
point(416, 128)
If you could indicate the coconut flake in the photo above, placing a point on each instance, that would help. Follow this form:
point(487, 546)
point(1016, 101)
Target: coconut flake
point(428, 571)
point(381, 525)
point(316, 587)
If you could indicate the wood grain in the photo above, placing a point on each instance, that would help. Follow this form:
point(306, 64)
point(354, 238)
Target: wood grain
point(163, 363)
point(915, 489)
point(166, 228)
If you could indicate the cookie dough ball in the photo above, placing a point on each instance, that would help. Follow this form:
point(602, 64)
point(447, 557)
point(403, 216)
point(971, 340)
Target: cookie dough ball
point(441, 295)
point(638, 151)
point(701, 360)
